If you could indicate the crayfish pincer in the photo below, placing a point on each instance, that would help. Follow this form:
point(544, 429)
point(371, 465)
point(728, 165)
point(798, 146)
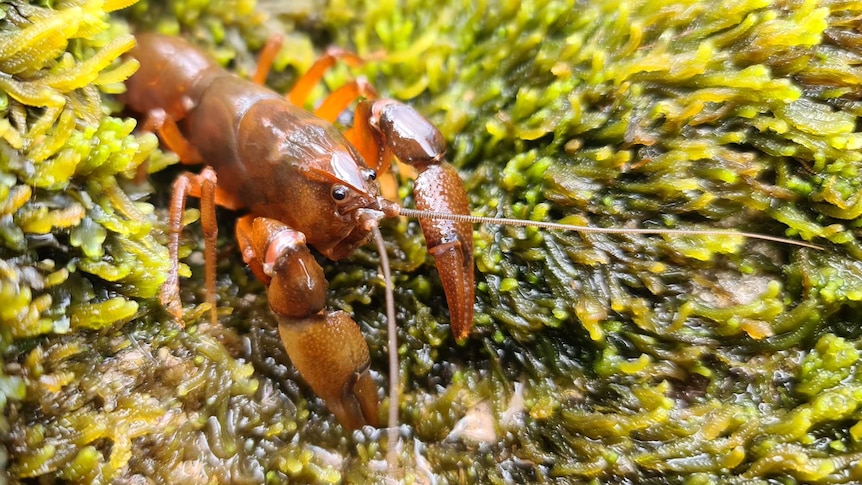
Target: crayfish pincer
point(300, 182)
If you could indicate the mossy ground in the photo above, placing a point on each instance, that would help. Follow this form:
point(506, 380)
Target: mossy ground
point(616, 359)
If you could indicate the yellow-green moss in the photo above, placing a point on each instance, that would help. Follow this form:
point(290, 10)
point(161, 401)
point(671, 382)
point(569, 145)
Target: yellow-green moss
point(601, 358)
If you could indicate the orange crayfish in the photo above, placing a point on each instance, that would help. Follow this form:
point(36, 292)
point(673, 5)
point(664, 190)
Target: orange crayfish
point(301, 183)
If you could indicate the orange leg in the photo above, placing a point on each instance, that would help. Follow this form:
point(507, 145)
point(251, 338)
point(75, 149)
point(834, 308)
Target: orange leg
point(364, 138)
point(301, 90)
point(326, 347)
point(166, 128)
point(266, 58)
point(171, 136)
point(338, 100)
point(202, 185)
point(341, 98)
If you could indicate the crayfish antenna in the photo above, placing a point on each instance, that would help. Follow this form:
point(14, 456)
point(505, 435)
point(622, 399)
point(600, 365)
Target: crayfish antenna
point(557, 226)
point(392, 341)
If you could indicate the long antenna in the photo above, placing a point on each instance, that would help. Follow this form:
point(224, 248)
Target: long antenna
point(392, 339)
point(557, 226)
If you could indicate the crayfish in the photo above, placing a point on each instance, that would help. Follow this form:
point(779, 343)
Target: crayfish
point(303, 183)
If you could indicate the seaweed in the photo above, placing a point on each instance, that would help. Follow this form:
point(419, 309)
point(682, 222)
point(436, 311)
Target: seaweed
point(594, 358)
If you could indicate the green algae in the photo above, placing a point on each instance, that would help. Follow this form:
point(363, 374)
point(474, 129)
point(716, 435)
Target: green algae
point(611, 358)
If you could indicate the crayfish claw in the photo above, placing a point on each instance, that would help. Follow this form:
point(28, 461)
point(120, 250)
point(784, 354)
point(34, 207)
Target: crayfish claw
point(438, 188)
point(326, 347)
point(455, 267)
point(395, 129)
point(330, 353)
point(358, 401)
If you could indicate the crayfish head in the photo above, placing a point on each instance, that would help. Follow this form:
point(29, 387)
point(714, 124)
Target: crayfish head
point(362, 220)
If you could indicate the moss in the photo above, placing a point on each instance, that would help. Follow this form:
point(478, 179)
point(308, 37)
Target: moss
point(831, 361)
point(611, 358)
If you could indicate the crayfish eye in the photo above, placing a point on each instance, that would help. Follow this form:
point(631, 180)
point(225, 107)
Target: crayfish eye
point(339, 192)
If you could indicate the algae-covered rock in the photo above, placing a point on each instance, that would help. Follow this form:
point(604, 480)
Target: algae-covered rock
point(599, 358)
